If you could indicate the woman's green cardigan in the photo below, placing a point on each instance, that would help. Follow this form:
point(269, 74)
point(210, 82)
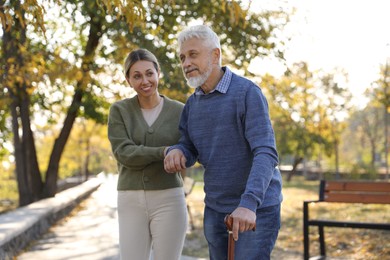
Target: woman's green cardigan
point(139, 149)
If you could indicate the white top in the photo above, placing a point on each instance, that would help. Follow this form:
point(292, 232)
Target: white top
point(151, 114)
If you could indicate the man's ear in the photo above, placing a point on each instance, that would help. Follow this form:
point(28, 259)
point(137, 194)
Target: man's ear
point(216, 55)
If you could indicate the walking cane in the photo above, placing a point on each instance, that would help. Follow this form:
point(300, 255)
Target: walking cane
point(229, 226)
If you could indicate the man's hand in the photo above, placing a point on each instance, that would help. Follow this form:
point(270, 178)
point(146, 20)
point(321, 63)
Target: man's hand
point(174, 161)
point(243, 220)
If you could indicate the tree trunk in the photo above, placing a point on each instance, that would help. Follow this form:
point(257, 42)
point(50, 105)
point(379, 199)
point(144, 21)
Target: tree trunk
point(386, 118)
point(297, 161)
point(95, 34)
point(31, 160)
point(386, 139)
point(27, 170)
point(373, 152)
point(24, 189)
point(9, 51)
point(86, 159)
point(336, 154)
point(50, 187)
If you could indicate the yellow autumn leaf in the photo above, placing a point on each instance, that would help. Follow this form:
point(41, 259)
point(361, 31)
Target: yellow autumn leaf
point(18, 79)
point(79, 75)
point(11, 60)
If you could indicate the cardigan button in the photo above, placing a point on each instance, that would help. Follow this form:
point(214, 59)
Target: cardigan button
point(150, 130)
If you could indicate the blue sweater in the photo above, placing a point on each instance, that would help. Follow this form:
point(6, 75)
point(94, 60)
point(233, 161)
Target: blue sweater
point(231, 135)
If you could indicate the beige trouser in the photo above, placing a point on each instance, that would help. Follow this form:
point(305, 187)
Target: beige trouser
point(152, 219)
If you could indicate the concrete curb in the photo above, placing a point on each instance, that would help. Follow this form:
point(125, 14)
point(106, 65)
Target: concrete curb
point(23, 225)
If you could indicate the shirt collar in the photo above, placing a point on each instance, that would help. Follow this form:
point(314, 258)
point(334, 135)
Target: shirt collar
point(222, 85)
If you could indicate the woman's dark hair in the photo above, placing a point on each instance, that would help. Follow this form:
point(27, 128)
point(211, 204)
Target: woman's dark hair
point(140, 54)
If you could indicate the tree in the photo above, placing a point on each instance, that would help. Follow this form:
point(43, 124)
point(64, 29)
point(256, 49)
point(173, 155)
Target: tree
point(336, 98)
point(295, 111)
point(366, 125)
point(381, 95)
point(17, 84)
point(308, 109)
point(104, 32)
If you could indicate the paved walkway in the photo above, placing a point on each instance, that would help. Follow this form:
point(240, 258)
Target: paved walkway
point(90, 233)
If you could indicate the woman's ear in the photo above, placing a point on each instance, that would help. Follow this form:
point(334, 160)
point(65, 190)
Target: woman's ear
point(128, 81)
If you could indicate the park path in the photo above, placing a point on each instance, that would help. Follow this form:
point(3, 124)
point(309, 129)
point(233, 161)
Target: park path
point(89, 232)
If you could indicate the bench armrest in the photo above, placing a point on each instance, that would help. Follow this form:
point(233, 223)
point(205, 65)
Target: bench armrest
point(312, 201)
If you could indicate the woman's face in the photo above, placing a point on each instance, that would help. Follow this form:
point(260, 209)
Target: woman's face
point(143, 78)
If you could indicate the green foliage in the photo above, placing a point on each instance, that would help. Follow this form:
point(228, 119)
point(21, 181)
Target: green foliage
point(380, 93)
point(295, 112)
point(300, 183)
point(243, 35)
point(95, 107)
point(363, 172)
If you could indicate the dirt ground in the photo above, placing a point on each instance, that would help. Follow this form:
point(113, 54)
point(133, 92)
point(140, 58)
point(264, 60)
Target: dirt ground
point(196, 245)
point(342, 244)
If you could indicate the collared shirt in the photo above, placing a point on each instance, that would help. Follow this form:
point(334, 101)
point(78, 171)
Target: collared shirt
point(222, 85)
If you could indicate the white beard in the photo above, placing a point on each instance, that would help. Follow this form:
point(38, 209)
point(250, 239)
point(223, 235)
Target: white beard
point(197, 81)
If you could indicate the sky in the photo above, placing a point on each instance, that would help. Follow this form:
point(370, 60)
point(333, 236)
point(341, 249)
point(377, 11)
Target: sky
point(349, 34)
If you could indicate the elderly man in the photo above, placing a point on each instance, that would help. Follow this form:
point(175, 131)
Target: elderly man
point(225, 125)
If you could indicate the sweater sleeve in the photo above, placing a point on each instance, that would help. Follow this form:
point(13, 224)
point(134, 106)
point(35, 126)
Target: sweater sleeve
point(125, 151)
point(260, 136)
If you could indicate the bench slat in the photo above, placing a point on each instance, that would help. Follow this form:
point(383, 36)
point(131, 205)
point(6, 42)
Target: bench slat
point(332, 223)
point(358, 186)
point(357, 198)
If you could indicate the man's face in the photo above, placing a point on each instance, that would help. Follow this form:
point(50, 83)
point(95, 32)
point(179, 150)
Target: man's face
point(196, 61)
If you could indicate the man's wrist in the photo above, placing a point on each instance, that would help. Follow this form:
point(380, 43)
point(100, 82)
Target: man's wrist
point(169, 148)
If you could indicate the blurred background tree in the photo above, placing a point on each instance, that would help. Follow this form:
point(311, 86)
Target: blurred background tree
point(381, 97)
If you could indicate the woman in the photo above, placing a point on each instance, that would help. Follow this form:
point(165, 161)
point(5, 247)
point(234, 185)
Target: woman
point(151, 205)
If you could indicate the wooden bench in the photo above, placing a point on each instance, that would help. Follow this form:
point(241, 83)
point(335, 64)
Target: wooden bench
point(367, 192)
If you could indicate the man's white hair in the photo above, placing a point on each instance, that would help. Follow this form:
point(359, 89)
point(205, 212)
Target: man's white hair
point(202, 32)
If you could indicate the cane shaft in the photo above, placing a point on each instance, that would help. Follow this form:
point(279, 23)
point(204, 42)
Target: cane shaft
point(231, 246)
point(229, 225)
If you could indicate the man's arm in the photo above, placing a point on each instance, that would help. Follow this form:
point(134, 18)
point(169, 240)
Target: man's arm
point(260, 136)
